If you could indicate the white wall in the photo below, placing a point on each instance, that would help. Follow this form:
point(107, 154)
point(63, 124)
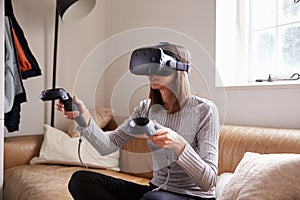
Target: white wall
point(102, 41)
point(189, 23)
point(270, 106)
point(77, 40)
point(276, 106)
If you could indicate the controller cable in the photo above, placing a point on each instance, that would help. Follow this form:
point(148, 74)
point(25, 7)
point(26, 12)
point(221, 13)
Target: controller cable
point(168, 176)
point(79, 156)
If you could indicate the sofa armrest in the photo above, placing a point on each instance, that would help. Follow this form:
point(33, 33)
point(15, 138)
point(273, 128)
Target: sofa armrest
point(20, 150)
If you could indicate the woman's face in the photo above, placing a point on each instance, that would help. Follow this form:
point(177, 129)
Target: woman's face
point(160, 82)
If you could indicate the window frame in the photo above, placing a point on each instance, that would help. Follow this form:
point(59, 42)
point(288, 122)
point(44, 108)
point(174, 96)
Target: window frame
point(242, 72)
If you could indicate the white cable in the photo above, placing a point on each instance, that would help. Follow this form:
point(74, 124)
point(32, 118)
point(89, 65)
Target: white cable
point(168, 176)
point(156, 189)
point(79, 156)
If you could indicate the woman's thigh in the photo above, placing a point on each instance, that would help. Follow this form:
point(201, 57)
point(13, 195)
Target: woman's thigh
point(92, 185)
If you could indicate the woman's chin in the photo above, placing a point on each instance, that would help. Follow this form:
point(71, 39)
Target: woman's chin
point(155, 86)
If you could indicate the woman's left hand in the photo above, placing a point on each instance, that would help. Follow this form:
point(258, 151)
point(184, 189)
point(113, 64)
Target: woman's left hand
point(167, 138)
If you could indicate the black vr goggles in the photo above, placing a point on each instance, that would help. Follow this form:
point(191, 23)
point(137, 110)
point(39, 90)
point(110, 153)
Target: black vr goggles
point(153, 60)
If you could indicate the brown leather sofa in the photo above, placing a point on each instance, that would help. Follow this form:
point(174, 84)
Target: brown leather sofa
point(25, 181)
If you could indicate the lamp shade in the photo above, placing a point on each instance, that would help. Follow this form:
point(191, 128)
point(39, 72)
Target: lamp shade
point(72, 10)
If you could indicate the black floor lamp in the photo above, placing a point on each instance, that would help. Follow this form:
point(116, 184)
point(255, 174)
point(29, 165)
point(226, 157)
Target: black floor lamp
point(69, 11)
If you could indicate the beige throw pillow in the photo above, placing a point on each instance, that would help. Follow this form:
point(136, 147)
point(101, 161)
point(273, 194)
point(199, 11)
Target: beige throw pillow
point(222, 180)
point(264, 177)
point(101, 115)
point(59, 148)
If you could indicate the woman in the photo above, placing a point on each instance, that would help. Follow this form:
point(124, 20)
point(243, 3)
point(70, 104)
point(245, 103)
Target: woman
point(184, 148)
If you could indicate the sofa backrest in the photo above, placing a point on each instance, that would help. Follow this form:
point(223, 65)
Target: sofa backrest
point(136, 158)
point(20, 150)
point(236, 140)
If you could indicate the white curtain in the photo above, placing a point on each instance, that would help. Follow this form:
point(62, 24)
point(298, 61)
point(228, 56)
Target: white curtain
point(232, 33)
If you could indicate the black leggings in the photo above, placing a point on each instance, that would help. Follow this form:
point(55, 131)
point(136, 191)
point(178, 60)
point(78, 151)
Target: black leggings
point(91, 185)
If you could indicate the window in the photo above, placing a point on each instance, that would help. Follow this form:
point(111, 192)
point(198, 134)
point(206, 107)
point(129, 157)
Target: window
point(255, 38)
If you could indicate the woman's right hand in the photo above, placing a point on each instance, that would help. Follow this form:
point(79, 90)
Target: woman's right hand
point(73, 114)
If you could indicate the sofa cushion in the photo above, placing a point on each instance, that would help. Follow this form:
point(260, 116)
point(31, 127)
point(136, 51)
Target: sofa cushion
point(136, 158)
point(48, 182)
point(264, 177)
point(59, 148)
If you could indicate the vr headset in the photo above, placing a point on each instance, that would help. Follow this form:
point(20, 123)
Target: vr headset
point(154, 61)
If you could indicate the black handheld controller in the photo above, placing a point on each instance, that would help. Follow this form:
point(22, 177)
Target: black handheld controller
point(66, 99)
point(142, 125)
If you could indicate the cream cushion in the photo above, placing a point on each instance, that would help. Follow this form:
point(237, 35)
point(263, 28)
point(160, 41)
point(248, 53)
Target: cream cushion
point(264, 177)
point(60, 148)
point(222, 180)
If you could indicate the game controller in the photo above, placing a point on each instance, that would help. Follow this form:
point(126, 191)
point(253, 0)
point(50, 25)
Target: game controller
point(142, 125)
point(66, 99)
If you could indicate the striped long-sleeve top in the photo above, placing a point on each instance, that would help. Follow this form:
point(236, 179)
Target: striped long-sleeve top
point(194, 171)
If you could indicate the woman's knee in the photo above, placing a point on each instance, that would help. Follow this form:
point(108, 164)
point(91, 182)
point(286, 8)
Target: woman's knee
point(152, 196)
point(149, 196)
point(161, 195)
point(76, 179)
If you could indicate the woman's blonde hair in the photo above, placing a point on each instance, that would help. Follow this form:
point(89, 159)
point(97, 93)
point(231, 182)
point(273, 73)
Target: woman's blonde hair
point(181, 89)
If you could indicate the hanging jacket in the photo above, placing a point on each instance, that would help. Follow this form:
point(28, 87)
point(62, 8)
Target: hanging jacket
point(24, 63)
point(14, 89)
point(13, 82)
point(20, 64)
point(28, 63)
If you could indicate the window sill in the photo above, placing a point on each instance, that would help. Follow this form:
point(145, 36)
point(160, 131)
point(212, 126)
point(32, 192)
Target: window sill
point(263, 85)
